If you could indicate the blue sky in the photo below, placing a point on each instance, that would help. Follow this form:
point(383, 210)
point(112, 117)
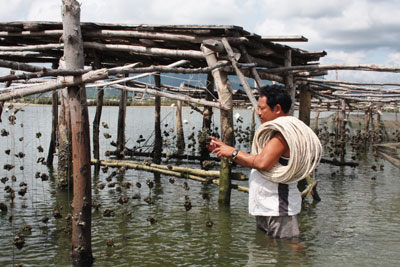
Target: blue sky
point(351, 32)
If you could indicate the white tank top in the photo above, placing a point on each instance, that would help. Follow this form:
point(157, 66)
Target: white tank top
point(267, 198)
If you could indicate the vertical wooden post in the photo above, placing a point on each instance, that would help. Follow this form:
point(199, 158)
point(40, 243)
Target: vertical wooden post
point(305, 104)
point(289, 80)
point(64, 169)
point(207, 115)
point(157, 151)
point(253, 71)
point(121, 124)
point(337, 125)
point(180, 137)
point(316, 121)
point(82, 199)
point(343, 130)
point(97, 116)
point(252, 125)
point(366, 120)
point(225, 97)
point(371, 121)
point(378, 117)
point(54, 125)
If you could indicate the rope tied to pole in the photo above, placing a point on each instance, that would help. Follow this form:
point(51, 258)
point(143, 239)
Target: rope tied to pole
point(305, 149)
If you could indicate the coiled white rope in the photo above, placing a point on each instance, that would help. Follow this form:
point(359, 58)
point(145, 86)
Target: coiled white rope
point(305, 149)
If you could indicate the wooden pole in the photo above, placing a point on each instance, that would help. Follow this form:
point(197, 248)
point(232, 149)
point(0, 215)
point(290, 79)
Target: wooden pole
point(225, 97)
point(343, 131)
point(54, 126)
point(371, 119)
point(121, 123)
point(316, 121)
point(180, 138)
point(207, 116)
point(64, 169)
point(186, 174)
point(239, 74)
point(305, 103)
point(182, 97)
point(253, 71)
point(252, 125)
point(337, 125)
point(82, 199)
point(97, 116)
point(289, 80)
point(378, 117)
point(366, 120)
point(157, 150)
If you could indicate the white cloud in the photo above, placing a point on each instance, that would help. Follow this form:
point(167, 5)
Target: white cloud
point(342, 57)
point(394, 59)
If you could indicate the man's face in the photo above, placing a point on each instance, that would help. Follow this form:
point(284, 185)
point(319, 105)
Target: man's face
point(264, 112)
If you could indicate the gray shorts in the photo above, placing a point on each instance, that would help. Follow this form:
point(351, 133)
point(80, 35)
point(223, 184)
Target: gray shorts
point(279, 226)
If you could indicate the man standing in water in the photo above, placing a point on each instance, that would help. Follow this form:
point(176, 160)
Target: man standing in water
point(276, 206)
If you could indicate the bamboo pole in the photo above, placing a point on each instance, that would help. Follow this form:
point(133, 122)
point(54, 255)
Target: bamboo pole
point(82, 199)
point(157, 149)
point(172, 171)
point(225, 97)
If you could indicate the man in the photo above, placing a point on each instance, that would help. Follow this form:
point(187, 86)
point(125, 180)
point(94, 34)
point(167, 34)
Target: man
point(275, 205)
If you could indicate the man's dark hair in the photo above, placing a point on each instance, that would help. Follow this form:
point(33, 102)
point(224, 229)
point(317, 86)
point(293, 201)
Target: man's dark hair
point(276, 94)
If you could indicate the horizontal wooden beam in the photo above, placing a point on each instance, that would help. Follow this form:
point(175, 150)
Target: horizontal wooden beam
point(334, 67)
point(171, 96)
point(285, 38)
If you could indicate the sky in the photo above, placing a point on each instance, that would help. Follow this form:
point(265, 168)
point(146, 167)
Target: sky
point(351, 32)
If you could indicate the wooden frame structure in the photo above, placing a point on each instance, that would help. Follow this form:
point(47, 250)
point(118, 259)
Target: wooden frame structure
point(100, 53)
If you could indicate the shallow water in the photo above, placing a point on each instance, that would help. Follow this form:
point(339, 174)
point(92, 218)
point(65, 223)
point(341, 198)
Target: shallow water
point(355, 224)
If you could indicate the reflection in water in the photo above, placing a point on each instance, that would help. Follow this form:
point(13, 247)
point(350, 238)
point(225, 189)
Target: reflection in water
point(355, 224)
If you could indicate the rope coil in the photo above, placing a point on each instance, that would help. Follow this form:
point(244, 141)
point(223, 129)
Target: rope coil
point(305, 149)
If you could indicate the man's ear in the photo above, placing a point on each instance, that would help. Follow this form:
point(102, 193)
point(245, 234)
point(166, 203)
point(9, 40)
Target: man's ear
point(278, 109)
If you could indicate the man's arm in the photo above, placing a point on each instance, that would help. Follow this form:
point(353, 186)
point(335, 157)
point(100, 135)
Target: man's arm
point(270, 154)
